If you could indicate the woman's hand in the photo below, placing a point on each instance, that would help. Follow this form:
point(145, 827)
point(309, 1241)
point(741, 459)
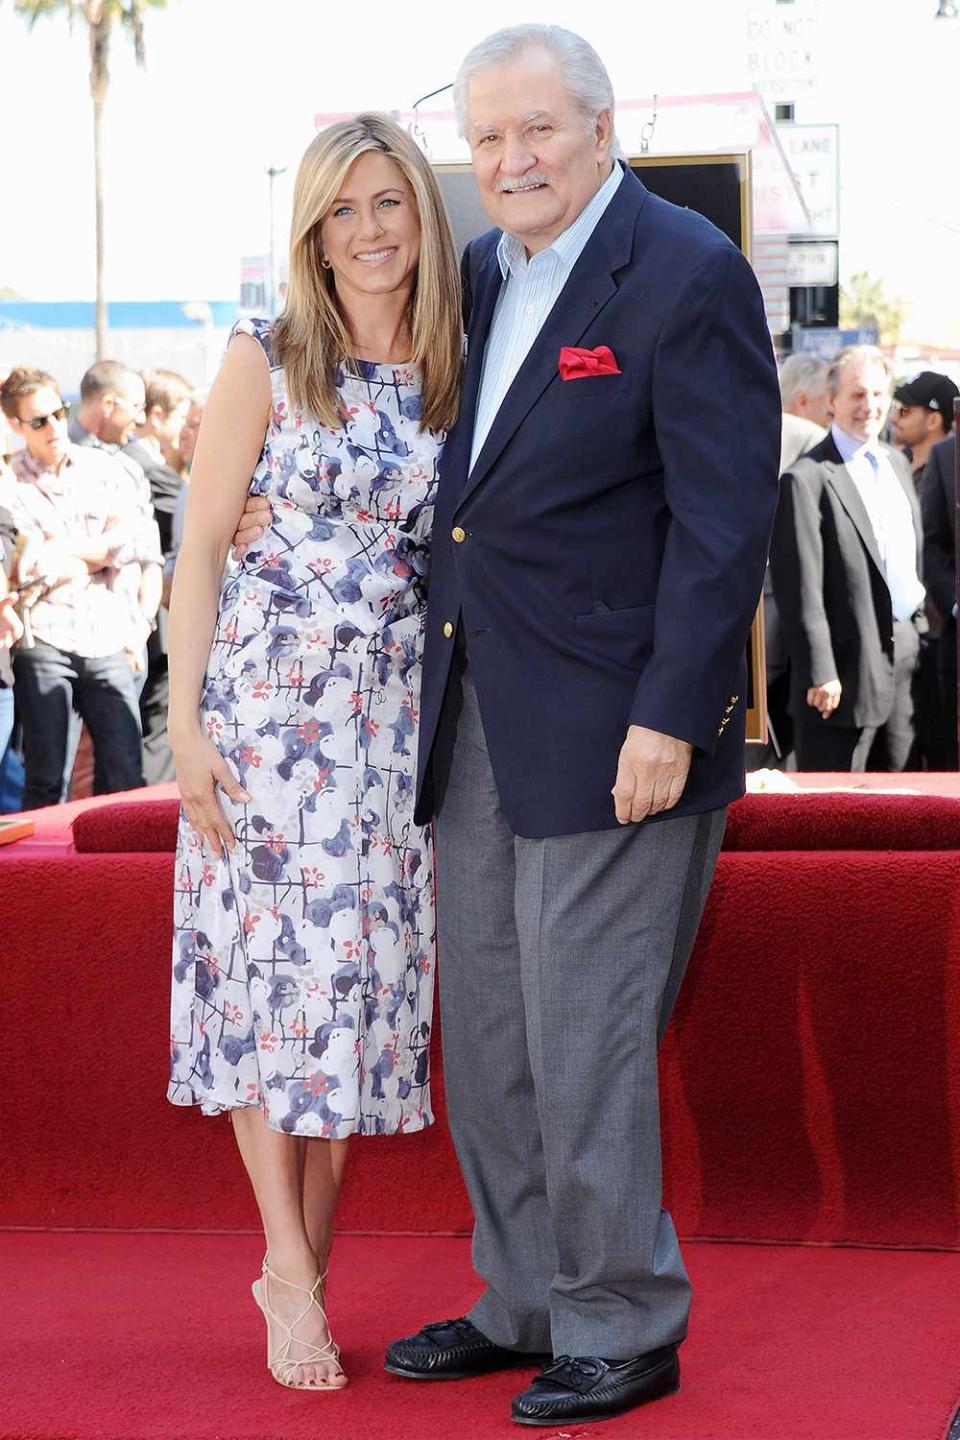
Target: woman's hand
point(200, 769)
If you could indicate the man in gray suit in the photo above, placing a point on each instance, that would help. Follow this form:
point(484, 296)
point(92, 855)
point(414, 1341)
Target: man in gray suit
point(846, 563)
point(803, 393)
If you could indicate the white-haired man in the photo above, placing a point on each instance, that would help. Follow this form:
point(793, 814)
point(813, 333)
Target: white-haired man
point(806, 419)
point(598, 549)
point(846, 575)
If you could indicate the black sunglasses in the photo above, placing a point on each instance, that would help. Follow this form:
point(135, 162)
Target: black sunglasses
point(41, 420)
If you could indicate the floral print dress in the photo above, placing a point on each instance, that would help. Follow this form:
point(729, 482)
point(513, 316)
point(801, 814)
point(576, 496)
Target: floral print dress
point(304, 961)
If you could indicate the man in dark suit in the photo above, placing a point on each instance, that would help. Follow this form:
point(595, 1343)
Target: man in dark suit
point(939, 505)
point(599, 542)
point(153, 446)
point(846, 561)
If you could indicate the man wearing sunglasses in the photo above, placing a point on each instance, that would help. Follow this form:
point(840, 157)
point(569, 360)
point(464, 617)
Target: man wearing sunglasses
point(74, 532)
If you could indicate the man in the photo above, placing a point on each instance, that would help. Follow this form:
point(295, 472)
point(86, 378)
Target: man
point(154, 445)
point(922, 416)
point(803, 392)
point(598, 550)
point(112, 404)
point(939, 507)
point(187, 450)
point(72, 536)
point(845, 560)
point(804, 399)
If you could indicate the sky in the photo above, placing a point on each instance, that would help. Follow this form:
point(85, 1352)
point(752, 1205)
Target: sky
point(232, 87)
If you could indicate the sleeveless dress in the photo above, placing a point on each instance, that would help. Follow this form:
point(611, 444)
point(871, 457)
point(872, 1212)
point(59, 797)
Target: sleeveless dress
point(303, 962)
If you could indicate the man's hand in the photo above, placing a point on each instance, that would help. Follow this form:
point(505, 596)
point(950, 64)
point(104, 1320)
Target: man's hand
point(825, 697)
point(256, 516)
point(651, 774)
point(11, 626)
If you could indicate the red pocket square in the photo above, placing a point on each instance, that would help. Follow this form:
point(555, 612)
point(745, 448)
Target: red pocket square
point(577, 364)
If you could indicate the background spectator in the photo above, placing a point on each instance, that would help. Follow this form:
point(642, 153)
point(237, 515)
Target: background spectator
point(922, 415)
point(806, 415)
point(845, 571)
point(72, 533)
point(939, 502)
point(155, 445)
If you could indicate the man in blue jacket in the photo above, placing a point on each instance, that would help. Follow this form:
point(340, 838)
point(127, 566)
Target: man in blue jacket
point(599, 545)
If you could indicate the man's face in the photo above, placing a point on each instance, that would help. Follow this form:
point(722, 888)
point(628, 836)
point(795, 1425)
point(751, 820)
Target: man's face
point(536, 163)
point(862, 400)
point(189, 432)
point(812, 405)
point(46, 443)
point(122, 408)
point(913, 424)
point(168, 425)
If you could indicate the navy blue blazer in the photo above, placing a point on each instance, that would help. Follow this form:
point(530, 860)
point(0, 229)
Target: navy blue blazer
point(605, 554)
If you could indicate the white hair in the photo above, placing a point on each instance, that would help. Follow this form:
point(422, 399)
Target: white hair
point(855, 355)
point(584, 73)
point(806, 374)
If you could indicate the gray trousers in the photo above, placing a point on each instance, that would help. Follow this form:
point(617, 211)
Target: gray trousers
point(560, 960)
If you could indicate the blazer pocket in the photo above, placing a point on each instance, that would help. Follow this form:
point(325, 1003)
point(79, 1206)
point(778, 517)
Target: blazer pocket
point(595, 387)
point(602, 614)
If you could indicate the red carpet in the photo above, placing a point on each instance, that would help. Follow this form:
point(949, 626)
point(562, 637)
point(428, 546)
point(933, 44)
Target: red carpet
point(155, 1337)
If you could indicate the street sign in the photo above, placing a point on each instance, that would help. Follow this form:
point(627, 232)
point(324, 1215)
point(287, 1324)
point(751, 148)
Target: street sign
point(813, 154)
point(812, 262)
point(826, 341)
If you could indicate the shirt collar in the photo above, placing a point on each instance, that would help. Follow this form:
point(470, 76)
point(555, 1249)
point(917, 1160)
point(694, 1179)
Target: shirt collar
point(568, 246)
point(850, 447)
point(25, 467)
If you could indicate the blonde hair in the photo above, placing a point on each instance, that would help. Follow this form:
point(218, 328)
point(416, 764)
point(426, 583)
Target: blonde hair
point(310, 338)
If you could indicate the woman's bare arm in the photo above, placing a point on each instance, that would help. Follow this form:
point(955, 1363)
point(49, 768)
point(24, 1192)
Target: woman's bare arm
point(228, 447)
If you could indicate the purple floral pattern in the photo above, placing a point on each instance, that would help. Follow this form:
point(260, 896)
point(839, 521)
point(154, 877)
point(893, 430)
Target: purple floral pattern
point(304, 962)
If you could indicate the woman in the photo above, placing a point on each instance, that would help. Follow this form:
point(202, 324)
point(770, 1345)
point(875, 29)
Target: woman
point(303, 952)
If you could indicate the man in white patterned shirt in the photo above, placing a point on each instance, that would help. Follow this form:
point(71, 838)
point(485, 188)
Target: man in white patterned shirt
point(74, 533)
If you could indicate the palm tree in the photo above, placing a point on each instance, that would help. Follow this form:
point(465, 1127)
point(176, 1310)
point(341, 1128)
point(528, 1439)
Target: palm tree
point(101, 18)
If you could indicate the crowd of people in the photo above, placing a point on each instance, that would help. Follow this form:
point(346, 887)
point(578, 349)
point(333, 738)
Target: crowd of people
point(91, 511)
point(859, 598)
point(861, 581)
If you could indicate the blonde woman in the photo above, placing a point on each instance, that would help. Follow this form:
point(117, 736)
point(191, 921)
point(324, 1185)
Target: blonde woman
point(304, 929)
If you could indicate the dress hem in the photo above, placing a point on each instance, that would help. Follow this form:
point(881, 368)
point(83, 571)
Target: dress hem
point(215, 1108)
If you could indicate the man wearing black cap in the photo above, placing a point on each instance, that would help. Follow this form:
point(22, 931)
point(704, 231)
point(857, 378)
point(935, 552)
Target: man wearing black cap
point(938, 503)
point(921, 417)
point(922, 414)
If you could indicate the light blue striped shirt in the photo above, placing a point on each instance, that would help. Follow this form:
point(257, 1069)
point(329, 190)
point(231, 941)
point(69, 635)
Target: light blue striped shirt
point(529, 292)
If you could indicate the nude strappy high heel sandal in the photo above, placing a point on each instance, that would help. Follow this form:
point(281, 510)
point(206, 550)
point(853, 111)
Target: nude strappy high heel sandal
point(282, 1362)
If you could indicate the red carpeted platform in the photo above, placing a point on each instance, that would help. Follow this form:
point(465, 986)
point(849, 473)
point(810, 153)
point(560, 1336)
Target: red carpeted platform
point(119, 1337)
point(811, 1094)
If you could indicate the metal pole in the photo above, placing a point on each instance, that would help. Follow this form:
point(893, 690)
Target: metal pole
point(272, 172)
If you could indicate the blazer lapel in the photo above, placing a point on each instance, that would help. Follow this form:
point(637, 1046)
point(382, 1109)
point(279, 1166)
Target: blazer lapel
point(842, 483)
point(456, 451)
point(589, 286)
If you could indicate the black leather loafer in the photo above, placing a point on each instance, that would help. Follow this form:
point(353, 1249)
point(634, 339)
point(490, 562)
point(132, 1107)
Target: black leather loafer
point(584, 1389)
point(451, 1350)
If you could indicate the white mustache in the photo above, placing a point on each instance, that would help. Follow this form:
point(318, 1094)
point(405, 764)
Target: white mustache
point(529, 182)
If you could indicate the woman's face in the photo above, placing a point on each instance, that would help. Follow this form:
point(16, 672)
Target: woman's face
point(371, 232)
